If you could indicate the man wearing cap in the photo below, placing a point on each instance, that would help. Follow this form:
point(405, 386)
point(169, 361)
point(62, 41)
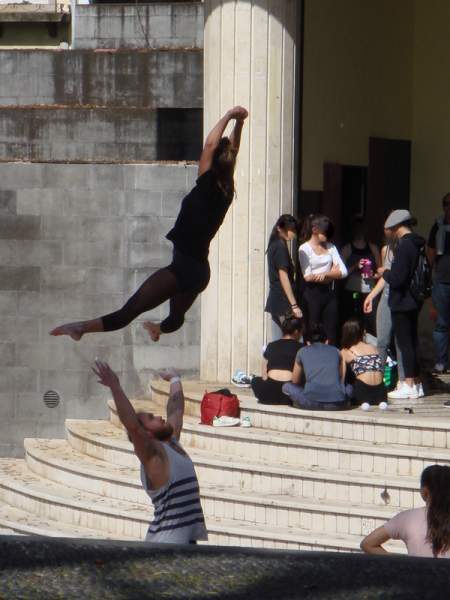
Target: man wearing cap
point(438, 251)
point(404, 306)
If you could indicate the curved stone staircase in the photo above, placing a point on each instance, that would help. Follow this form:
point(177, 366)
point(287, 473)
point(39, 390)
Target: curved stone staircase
point(296, 479)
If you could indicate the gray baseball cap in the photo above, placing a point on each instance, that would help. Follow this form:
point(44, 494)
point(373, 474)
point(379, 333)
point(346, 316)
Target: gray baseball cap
point(397, 217)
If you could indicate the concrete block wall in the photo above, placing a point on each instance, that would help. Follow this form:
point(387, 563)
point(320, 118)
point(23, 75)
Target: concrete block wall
point(156, 25)
point(75, 242)
point(127, 79)
point(99, 134)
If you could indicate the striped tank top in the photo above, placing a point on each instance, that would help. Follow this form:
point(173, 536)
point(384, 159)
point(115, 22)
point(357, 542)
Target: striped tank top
point(178, 516)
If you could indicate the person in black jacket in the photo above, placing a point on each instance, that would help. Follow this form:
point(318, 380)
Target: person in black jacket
point(404, 306)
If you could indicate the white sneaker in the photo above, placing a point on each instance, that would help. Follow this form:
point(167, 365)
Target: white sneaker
point(405, 392)
point(420, 391)
point(226, 421)
point(245, 422)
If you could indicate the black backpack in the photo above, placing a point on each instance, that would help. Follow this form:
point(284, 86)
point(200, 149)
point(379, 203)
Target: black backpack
point(422, 281)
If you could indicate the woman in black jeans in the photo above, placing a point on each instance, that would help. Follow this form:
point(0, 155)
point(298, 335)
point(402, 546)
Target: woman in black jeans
point(279, 359)
point(404, 306)
point(281, 299)
point(202, 213)
point(321, 265)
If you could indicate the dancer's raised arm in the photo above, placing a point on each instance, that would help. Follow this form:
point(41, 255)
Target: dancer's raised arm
point(215, 135)
point(175, 404)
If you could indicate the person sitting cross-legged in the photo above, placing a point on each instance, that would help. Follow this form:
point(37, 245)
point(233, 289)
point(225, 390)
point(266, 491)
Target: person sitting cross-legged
point(167, 473)
point(278, 363)
point(322, 368)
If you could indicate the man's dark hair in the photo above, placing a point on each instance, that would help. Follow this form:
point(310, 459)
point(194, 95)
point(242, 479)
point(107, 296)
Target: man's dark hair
point(316, 334)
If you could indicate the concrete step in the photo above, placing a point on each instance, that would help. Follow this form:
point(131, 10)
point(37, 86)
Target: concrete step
point(281, 510)
point(429, 429)
point(57, 461)
point(7, 531)
point(232, 533)
point(23, 489)
point(106, 442)
point(26, 523)
point(331, 453)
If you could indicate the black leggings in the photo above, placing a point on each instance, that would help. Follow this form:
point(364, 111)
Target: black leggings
point(372, 394)
point(268, 391)
point(405, 326)
point(181, 282)
point(319, 303)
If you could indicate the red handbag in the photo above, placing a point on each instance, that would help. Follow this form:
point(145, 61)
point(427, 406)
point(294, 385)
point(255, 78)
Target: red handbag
point(218, 404)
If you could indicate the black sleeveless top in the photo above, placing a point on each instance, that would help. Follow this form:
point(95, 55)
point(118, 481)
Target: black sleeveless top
point(202, 213)
point(359, 253)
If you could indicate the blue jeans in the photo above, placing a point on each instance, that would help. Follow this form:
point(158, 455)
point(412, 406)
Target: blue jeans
point(441, 301)
point(300, 399)
point(384, 334)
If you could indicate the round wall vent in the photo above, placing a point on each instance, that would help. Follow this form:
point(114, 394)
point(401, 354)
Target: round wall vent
point(51, 399)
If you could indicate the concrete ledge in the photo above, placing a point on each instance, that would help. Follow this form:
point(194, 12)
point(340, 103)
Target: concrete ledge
point(156, 25)
point(93, 134)
point(118, 78)
point(93, 569)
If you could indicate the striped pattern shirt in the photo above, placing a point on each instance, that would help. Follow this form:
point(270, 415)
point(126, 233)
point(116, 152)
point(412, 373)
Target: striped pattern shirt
point(178, 516)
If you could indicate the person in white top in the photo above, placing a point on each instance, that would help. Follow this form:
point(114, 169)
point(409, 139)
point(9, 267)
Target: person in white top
point(321, 265)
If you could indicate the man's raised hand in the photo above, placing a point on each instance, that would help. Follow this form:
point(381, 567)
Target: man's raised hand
point(105, 374)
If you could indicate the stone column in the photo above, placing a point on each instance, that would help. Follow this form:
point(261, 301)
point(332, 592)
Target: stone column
point(250, 59)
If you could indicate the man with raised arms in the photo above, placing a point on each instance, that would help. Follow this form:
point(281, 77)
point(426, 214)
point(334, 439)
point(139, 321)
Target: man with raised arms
point(167, 473)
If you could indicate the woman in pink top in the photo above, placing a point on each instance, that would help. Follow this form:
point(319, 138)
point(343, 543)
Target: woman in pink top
point(425, 531)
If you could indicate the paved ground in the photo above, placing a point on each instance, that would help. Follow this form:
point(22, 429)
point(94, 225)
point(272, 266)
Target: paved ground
point(50, 569)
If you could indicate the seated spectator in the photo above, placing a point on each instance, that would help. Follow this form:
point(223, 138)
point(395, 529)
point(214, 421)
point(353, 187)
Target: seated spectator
point(278, 364)
point(323, 370)
point(425, 531)
point(366, 364)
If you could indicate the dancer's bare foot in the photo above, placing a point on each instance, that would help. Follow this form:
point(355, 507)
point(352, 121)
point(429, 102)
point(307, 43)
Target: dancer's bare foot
point(153, 330)
point(75, 330)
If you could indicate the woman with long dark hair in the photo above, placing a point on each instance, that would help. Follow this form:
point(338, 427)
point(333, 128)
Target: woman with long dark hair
point(278, 364)
point(321, 266)
point(281, 300)
point(202, 213)
point(365, 363)
point(425, 531)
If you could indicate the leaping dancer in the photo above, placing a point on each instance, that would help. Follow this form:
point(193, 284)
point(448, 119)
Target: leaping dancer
point(202, 213)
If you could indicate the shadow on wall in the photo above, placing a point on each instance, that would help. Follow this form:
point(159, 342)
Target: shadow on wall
point(179, 134)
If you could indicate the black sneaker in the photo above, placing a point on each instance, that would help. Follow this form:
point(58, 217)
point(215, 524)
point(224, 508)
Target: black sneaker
point(439, 370)
point(447, 404)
